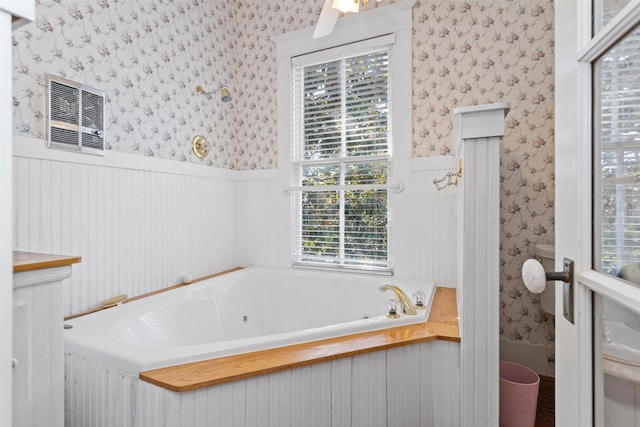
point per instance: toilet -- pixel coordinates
(546, 254)
(621, 341)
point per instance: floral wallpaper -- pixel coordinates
(148, 55)
(476, 52)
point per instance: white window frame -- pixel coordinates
(396, 20)
(379, 45)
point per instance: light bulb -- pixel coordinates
(345, 6)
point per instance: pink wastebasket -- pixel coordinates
(518, 395)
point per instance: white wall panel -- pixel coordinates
(427, 252)
(403, 382)
(137, 230)
(280, 399)
(433, 219)
(140, 227)
(341, 392)
(446, 394)
(92, 402)
(431, 386)
(419, 383)
(261, 235)
(257, 397)
(368, 391)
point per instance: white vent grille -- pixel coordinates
(75, 116)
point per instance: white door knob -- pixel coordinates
(533, 276)
(535, 279)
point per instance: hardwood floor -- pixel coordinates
(545, 415)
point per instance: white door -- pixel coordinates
(597, 192)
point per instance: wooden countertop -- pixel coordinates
(28, 261)
(442, 324)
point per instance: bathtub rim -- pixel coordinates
(442, 324)
(136, 362)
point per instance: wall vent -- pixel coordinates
(75, 116)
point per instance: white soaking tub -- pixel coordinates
(246, 310)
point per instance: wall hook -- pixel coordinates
(451, 178)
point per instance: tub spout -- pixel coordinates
(407, 305)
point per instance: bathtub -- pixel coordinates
(247, 310)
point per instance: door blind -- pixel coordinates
(618, 89)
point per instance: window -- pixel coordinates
(341, 158)
(344, 144)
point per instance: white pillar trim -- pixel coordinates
(477, 131)
(478, 121)
(9, 9)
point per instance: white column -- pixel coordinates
(477, 131)
(26, 9)
(6, 220)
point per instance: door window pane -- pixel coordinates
(617, 168)
(617, 363)
(605, 11)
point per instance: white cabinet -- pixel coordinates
(38, 346)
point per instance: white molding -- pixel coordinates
(41, 276)
(35, 148)
(609, 286)
(479, 255)
(625, 21)
(478, 121)
(574, 198)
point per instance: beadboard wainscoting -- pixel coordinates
(138, 223)
(141, 224)
(423, 242)
(433, 223)
(415, 385)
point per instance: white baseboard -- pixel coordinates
(535, 357)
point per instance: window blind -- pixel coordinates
(341, 157)
(618, 90)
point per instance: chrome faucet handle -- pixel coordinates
(407, 305)
(392, 308)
